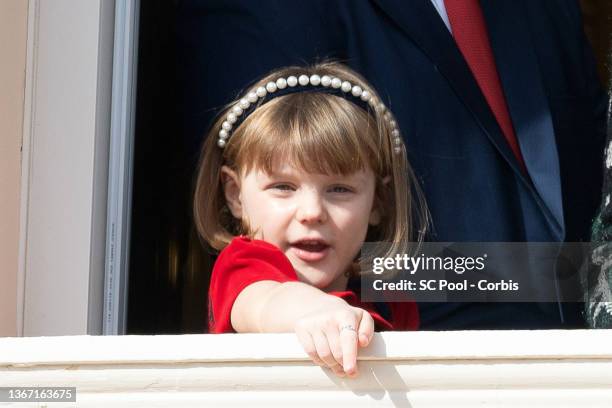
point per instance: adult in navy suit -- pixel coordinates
(475, 185)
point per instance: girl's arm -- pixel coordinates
(329, 329)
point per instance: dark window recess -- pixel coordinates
(169, 269)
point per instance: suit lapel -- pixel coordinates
(518, 69)
(421, 22)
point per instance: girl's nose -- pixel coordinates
(311, 208)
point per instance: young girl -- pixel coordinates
(294, 176)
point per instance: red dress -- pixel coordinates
(245, 261)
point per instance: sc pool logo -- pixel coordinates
(443, 284)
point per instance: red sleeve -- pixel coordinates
(405, 315)
(241, 263)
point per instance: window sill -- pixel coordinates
(417, 369)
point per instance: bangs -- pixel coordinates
(313, 132)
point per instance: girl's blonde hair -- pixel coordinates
(318, 133)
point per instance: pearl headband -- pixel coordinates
(293, 84)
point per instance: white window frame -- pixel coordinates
(77, 106)
(118, 224)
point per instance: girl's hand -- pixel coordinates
(332, 337)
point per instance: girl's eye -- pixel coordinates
(282, 187)
(340, 189)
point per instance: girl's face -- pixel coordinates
(318, 221)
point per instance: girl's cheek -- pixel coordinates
(280, 206)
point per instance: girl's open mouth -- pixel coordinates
(310, 251)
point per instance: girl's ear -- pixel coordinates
(231, 189)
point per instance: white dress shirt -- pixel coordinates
(441, 9)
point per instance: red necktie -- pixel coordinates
(470, 32)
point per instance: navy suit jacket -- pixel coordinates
(473, 184)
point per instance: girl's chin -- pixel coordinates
(320, 279)
(314, 277)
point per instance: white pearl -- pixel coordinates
(226, 125)
(346, 86)
(271, 87)
(223, 134)
(244, 104)
(281, 83)
(336, 83)
(357, 91)
(388, 116)
(237, 110)
(326, 80)
(372, 102)
(252, 97)
(381, 107)
(221, 143)
(365, 96)
(303, 80)
(261, 92)
(395, 133)
(398, 150)
(393, 123)
(292, 81)
(231, 118)
(315, 80)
